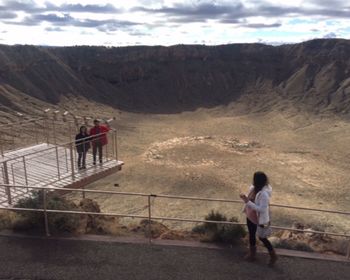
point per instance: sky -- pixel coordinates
(171, 22)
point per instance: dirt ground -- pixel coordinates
(214, 153)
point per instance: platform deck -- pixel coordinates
(48, 165)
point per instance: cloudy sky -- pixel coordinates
(170, 22)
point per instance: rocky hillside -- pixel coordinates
(313, 75)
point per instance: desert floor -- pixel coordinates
(214, 153)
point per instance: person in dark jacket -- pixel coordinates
(82, 143)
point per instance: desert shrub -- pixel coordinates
(293, 245)
(58, 222)
(231, 233)
(6, 219)
(226, 233)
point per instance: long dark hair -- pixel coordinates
(82, 128)
(260, 180)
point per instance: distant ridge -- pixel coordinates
(312, 76)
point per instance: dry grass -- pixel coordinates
(213, 153)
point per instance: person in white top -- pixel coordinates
(257, 210)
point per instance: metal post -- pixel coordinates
(66, 157)
(70, 132)
(106, 153)
(46, 220)
(149, 220)
(54, 132)
(13, 140)
(58, 164)
(36, 133)
(113, 144)
(71, 160)
(46, 127)
(115, 140)
(13, 175)
(83, 192)
(25, 172)
(1, 145)
(7, 182)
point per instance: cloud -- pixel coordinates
(235, 11)
(7, 15)
(29, 6)
(26, 6)
(37, 19)
(79, 8)
(60, 15)
(261, 25)
(138, 33)
(54, 29)
(60, 20)
(328, 3)
(195, 13)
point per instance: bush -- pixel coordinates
(6, 219)
(232, 233)
(226, 233)
(58, 222)
(293, 245)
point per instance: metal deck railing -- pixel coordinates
(49, 164)
(151, 217)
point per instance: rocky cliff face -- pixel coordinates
(313, 75)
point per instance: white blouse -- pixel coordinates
(261, 204)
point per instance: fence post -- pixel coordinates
(348, 251)
(2, 143)
(106, 151)
(46, 127)
(83, 192)
(58, 163)
(25, 171)
(71, 160)
(7, 182)
(54, 132)
(36, 133)
(115, 144)
(70, 132)
(46, 220)
(149, 220)
(13, 175)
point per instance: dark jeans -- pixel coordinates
(252, 236)
(97, 147)
(82, 159)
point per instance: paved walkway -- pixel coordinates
(32, 258)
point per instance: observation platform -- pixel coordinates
(50, 165)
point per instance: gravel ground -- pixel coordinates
(30, 258)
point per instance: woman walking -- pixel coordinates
(258, 215)
(82, 143)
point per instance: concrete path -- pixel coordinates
(32, 258)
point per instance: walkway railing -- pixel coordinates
(53, 128)
(151, 217)
(48, 165)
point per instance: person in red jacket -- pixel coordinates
(98, 135)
